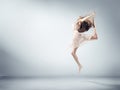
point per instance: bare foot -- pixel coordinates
(79, 67)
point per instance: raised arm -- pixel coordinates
(88, 16)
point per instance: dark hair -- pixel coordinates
(85, 26)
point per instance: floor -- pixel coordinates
(60, 83)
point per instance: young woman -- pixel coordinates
(82, 25)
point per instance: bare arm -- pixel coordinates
(88, 16)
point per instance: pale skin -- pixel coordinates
(93, 37)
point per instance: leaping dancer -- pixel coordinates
(82, 25)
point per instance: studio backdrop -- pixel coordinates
(35, 38)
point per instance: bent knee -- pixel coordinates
(94, 38)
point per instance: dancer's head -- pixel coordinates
(85, 26)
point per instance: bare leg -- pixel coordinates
(76, 58)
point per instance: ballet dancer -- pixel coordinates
(82, 25)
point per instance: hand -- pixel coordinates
(93, 13)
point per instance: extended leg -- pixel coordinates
(76, 58)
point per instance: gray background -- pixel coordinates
(35, 37)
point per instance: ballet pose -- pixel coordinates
(82, 25)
